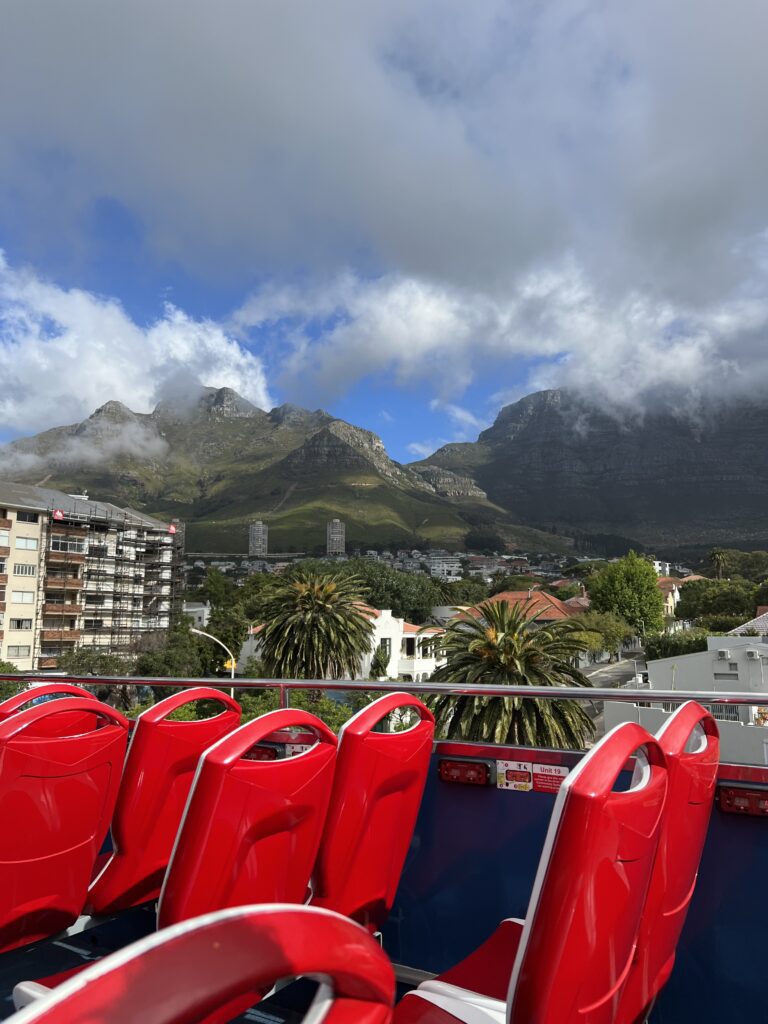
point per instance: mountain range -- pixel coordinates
(216, 461)
(552, 468)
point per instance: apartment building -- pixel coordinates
(258, 538)
(335, 537)
(75, 571)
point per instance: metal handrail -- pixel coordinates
(590, 693)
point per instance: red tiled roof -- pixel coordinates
(408, 627)
(544, 607)
(691, 578)
(578, 604)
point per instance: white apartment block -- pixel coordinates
(258, 539)
(79, 572)
(443, 566)
(336, 537)
(731, 664)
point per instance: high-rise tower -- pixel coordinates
(335, 537)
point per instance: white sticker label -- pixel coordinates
(514, 775)
(548, 778)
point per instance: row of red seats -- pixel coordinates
(195, 819)
(610, 897)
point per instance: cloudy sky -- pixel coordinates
(406, 213)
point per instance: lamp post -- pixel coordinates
(216, 640)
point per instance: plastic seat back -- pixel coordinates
(691, 744)
(584, 913)
(251, 828)
(55, 725)
(377, 792)
(161, 762)
(208, 969)
(57, 793)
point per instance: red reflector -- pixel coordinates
(735, 800)
(258, 753)
(469, 772)
(517, 776)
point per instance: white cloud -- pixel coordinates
(65, 352)
(464, 420)
(628, 350)
(421, 449)
(577, 185)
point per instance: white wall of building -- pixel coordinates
(731, 664)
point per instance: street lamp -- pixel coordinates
(216, 640)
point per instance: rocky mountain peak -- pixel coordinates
(200, 402)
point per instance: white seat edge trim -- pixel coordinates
(467, 1013)
(546, 853)
(27, 992)
(463, 995)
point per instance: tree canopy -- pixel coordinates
(734, 597)
(314, 627)
(629, 588)
(503, 647)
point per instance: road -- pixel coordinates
(617, 673)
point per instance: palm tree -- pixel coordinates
(314, 626)
(504, 647)
(718, 559)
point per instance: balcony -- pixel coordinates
(3, 578)
(70, 530)
(5, 524)
(65, 557)
(47, 662)
(60, 635)
(62, 609)
(63, 583)
(4, 552)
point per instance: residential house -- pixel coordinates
(411, 654)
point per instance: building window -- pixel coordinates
(26, 543)
(73, 544)
(733, 666)
(26, 517)
(2, 565)
(94, 623)
(20, 624)
(24, 569)
(23, 596)
(5, 538)
(19, 650)
(385, 646)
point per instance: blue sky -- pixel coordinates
(345, 206)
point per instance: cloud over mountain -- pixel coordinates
(64, 352)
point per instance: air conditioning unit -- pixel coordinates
(754, 655)
(723, 655)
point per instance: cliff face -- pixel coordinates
(552, 460)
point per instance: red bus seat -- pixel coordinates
(251, 828)
(571, 957)
(161, 762)
(57, 793)
(56, 725)
(691, 744)
(209, 969)
(377, 792)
